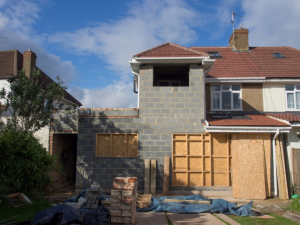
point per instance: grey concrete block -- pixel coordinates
(143, 137)
(150, 120)
(149, 143)
(155, 110)
(170, 94)
(156, 115)
(154, 137)
(147, 83)
(156, 100)
(174, 99)
(127, 120)
(190, 105)
(150, 105)
(159, 105)
(165, 99)
(161, 120)
(181, 120)
(184, 89)
(161, 143)
(194, 120)
(170, 120)
(154, 148)
(180, 105)
(179, 95)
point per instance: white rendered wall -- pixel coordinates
(4, 84)
(274, 97)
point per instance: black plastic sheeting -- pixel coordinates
(64, 214)
(216, 206)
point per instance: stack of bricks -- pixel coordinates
(123, 200)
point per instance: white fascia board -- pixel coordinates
(283, 80)
(236, 80)
(245, 129)
(295, 124)
(157, 60)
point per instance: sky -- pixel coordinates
(89, 43)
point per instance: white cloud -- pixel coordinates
(16, 20)
(116, 95)
(272, 23)
(147, 24)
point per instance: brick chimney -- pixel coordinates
(29, 59)
(239, 40)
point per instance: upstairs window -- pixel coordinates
(278, 55)
(226, 97)
(215, 54)
(292, 93)
(175, 76)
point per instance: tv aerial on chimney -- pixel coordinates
(232, 21)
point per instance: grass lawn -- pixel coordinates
(279, 220)
(24, 212)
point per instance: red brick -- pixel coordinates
(115, 212)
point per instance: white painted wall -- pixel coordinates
(274, 97)
(4, 84)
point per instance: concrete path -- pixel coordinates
(227, 219)
(292, 216)
(193, 219)
(150, 218)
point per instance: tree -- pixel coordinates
(31, 102)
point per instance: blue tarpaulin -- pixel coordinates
(216, 206)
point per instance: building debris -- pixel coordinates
(18, 199)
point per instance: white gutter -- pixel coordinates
(245, 129)
(274, 161)
(283, 80)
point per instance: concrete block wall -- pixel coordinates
(65, 121)
(167, 110)
(104, 169)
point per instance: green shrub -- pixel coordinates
(25, 165)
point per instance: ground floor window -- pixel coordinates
(117, 145)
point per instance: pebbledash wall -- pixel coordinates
(162, 112)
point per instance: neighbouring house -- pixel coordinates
(227, 117)
(61, 139)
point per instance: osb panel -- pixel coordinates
(179, 136)
(179, 148)
(206, 148)
(206, 137)
(195, 137)
(180, 163)
(252, 97)
(195, 164)
(219, 145)
(118, 145)
(195, 147)
(207, 179)
(103, 145)
(267, 147)
(219, 164)
(220, 179)
(132, 145)
(179, 179)
(234, 146)
(195, 179)
(207, 164)
(252, 170)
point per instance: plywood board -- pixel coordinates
(267, 147)
(194, 137)
(179, 163)
(153, 177)
(251, 168)
(207, 179)
(206, 148)
(219, 145)
(220, 174)
(207, 163)
(234, 146)
(132, 144)
(219, 179)
(179, 179)
(195, 163)
(195, 148)
(296, 168)
(103, 145)
(166, 175)
(195, 179)
(118, 145)
(179, 136)
(179, 148)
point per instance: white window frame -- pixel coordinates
(231, 97)
(295, 99)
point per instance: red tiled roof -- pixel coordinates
(258, 62)
(284, 116)
(256, 120)
(170, 50)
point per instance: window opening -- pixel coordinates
(226, 97)
(278, 55)
(215, 54)
(171, 76)
(292, 93)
